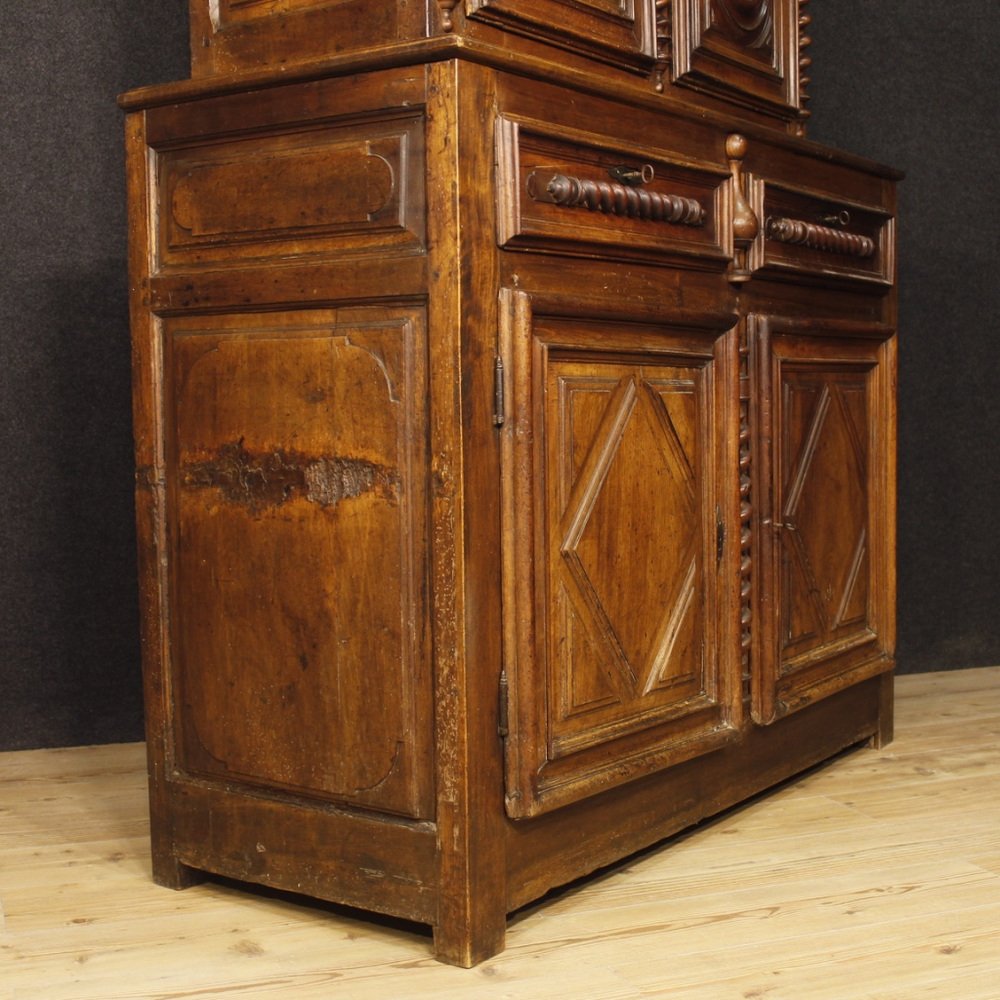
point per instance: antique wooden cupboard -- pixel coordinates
(515, 440)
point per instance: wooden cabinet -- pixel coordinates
(514, 407)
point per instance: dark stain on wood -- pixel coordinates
(258, 481)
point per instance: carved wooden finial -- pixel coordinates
(745, 223)
(447, 6)
(736, 147)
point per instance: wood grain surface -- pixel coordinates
(878, 877)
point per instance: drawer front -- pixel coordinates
(352, 188)
(806, 233)
(610, 28)
(566, 191)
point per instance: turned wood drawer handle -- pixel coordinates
(800, 233)
(614, 199)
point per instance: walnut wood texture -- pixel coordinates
(488, 534)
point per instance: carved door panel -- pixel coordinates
(622, 28)
(747, 50)
(297, 461)
(619, 493)
(824, 457)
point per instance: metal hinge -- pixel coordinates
(499, 393)
(503, 724)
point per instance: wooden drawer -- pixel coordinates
(351, 188)
(566, 191)
(808, 233)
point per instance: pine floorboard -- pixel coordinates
(875, 877)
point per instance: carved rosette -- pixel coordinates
(745, 223)
(663, 43)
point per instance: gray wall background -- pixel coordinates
(908, 82)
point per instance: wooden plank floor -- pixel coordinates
(877, 876)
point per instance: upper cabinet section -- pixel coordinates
(747, 51)
(231, 36)
(716, 53)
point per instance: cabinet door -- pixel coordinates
(620, 491)
(824, 487)
(622, 28)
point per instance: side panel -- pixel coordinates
(619, 494)
(297, 468)
(825, 534)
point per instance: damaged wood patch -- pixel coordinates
(269, 479)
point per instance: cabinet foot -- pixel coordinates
(468, 946)
(171, 874)
(883, 735)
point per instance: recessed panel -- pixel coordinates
(297, 460)
(230, 36)
(353, 189)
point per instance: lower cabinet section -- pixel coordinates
(493, 524)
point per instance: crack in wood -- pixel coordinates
(270, 479)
